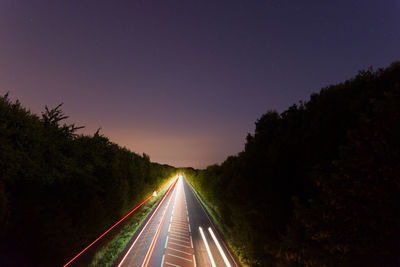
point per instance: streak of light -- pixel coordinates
(154, 241)
(140, 233)
(219, 247)
(80, 253)
(108, 231)
(207, 247)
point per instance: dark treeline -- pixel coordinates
(60, 190)
(318, 184)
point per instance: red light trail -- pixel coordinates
(159, 204)
(153, 242)
(80, 253)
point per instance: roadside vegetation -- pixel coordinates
(59, 190)
(318, 184)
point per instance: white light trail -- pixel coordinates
(207, 247)
(219, 247)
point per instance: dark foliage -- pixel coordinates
(319, 184)
(60, 190)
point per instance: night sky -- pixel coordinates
(184, 81)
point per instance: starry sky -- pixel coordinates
(185, 80)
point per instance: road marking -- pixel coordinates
(219, 247)
(190, 231)
(180, 240)
(166, 242)
(181, 227)
(176, 256)
(145, 226)
(172, 264)
(181, 251)
(80, 253)
(179, 220)
(154, 240)
(178, 244)
(180, 236)
(179, 223)
(178, 231)
(207, 247)
(162, 260)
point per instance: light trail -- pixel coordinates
(154, 241)
(211, 222)
(123, 218)
(207, 247)
(68, 263)
(155, 211)
(219, 247)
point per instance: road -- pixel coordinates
(178, 233)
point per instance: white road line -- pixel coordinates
(182, 237)
(191, 240)
(219, 247)
(180, 220)
(179, 235)
(179, 217)
(166, 242)
(178, 231)
(172, 264)
(181, 251)
(207, 247)
(179, 240)
(180, 223)
(179, 257)
(162, 260)
(178, 244)
(180, 226)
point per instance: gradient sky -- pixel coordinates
(185, 80)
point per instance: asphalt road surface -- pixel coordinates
(178, 233)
